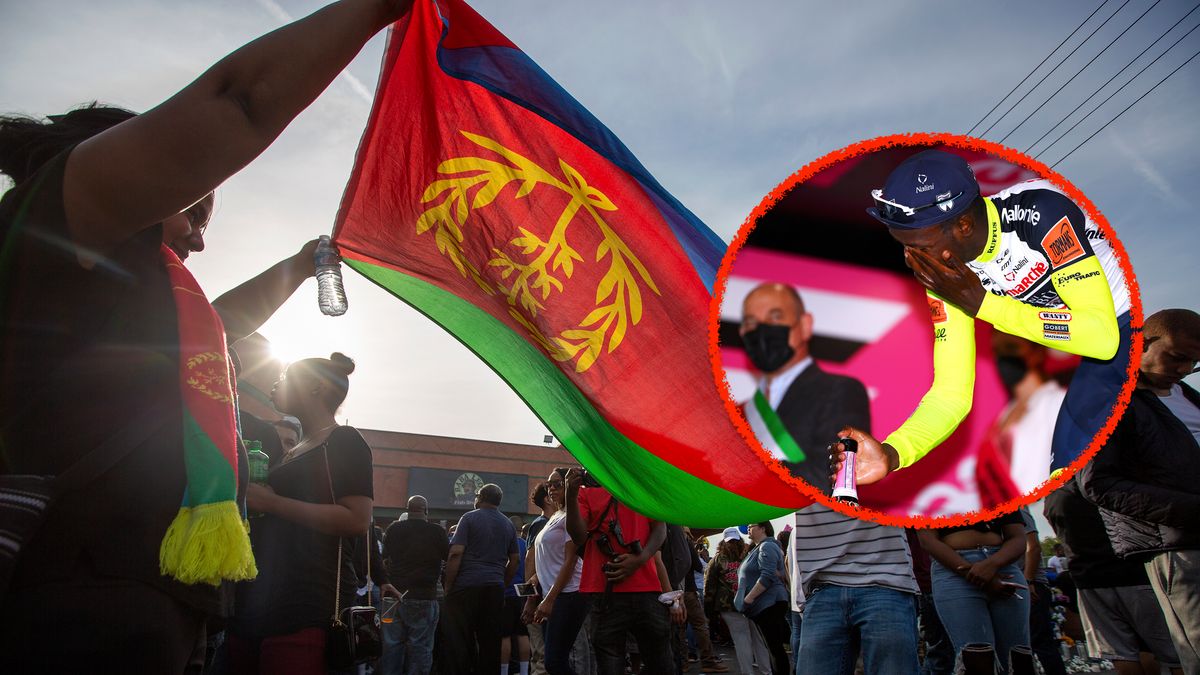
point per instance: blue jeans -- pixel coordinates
(939, 654)
(794, 620)
(971, 616)
(840, 619)
(561, 629)
(408, 639)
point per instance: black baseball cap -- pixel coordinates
(928, 188)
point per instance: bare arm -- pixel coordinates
(453, 561)
(576, 527)
(347, 518)
(510, 570)
(246, 308)
(941, 552)
(1033, 555)
(156, 165)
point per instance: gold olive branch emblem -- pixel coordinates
(531, 270)
(208, 373)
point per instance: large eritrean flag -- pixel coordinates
(486, 197)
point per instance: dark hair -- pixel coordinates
(538, 496)
(734, 548)
(335, 370)
(492, 494)
(1176, 323)
(26, 143)
(767, 527)
(783, 538)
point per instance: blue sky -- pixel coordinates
(721, 101)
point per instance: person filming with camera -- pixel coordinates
(621, 572)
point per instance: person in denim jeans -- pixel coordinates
(859, 595)
(413, 550)
(979, 589)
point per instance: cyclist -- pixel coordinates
(1027, 260)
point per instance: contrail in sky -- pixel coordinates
(275, 10)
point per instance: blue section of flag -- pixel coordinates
(511, 74)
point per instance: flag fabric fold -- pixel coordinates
(490, 200)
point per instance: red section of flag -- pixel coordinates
(469, 191)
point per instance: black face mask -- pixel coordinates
(1012, 369)
(767, 346)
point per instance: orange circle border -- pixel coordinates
(922, 140)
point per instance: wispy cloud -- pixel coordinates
(356, 85)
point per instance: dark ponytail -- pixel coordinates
(27, 143)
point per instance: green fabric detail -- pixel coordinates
(637, 477)
(210, 478)
(787, 444)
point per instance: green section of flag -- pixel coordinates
(779, 433)
(210, 476)
(637, 477)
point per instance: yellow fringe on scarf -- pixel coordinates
(209, 543)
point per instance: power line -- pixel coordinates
(1077, 73)
(1035, 68)
(1085, 41)
(1119, 90)
(1118, 74)
(1114, 119)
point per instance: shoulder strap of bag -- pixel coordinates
(118, 446)
(337, 587)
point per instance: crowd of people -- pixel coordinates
(117, 372)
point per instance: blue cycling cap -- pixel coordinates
(928, 188)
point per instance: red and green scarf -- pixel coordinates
(209, 539)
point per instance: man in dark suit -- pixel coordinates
(812, 404)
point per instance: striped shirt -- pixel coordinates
(830, 548)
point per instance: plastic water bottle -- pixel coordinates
(259, 465)
(330, 293)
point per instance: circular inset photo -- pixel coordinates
(957, 312)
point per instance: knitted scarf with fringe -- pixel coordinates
(208, 541)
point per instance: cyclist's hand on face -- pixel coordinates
(948, 277)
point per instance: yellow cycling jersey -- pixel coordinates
(1051, 277)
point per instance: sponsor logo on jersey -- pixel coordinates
(1046, 297)
(1077, 276)
(1030, 279)
(1054, 316)
(1018, 212)
(937, 310)
(1011, 275)
(1061, 245)
(1057, 336)
(1056, 327)
(940, 334)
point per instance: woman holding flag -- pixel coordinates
(111, 351)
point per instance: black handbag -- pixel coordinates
(354, 634)
(26, 500)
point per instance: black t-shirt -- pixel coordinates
(80, 352)
(414, 551)
(297, 566)
(995, 525)
(1078, 524)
